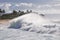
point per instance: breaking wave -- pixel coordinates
(34, 23)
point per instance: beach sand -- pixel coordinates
(4, 21)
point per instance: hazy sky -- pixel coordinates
(43, 6)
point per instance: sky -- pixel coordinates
(41, 6)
